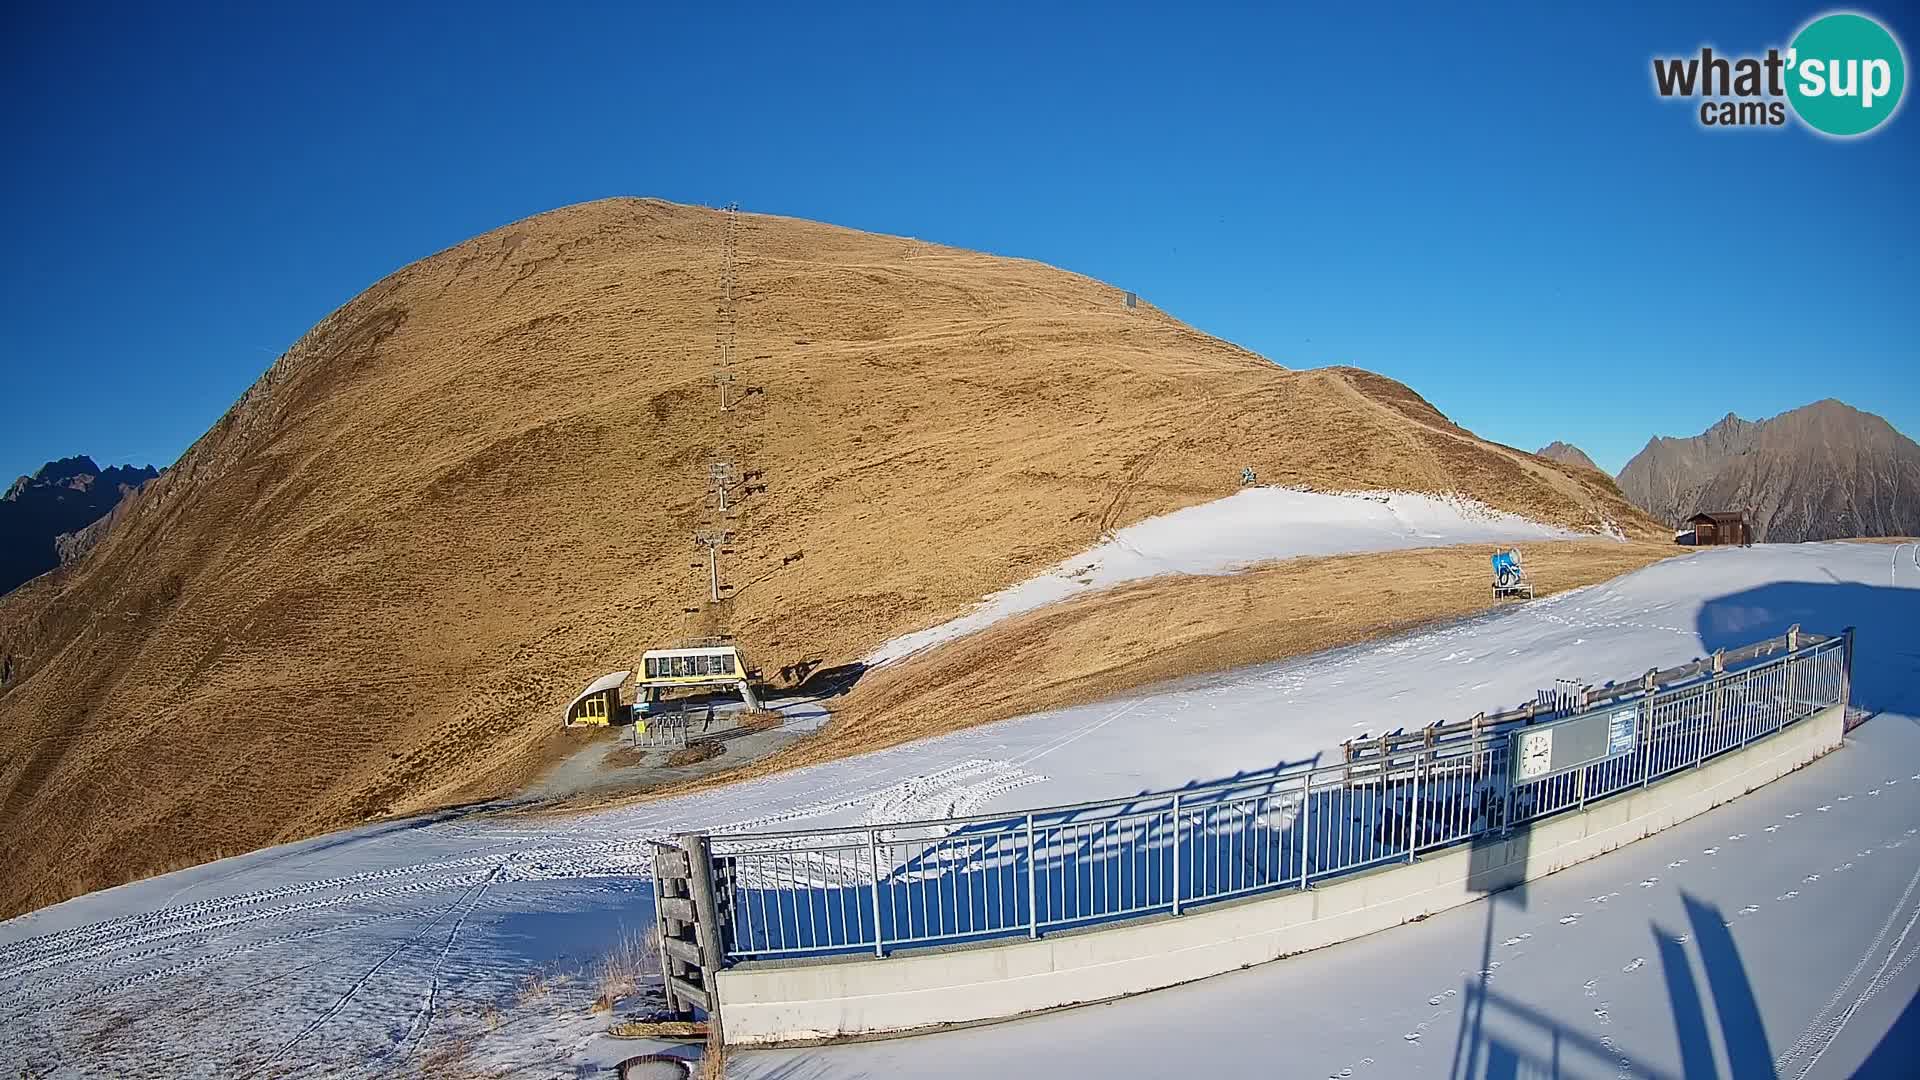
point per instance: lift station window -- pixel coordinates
(698, 664)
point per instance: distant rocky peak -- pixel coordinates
(1567, 454)
(64, 496)
(1731, 434)
(65, 470)
(1818, 472)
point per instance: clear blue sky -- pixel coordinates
(1493, 208)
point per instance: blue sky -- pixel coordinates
(1493, 208)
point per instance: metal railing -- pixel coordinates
(875, 888)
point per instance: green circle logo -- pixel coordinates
(1845, 74)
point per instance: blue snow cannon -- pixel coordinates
(1509, 578)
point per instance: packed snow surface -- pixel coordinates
(1251, 526)
(399, 947)
(1773, 937)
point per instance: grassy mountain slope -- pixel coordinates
(369, 588)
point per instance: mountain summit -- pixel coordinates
(1567, 454)
(1819, 472)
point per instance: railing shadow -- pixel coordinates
(1888, 660)
(1517, 1041)
(1715, 1016)
(1496, 869)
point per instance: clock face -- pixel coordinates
(1536, 753)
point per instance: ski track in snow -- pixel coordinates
(375, 960)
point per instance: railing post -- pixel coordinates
(1793, 699)
(1507, 797)
(1506, 817)
(1584, 769)
(1177, 829)
(1413, 814)
(1645, 750)
(1305, 822)
(1033, 891)
(1846, 673)
(873, 857)
(1746, 711)
(1649, 684)
(1710, 720)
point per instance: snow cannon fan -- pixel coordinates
(1509, 576)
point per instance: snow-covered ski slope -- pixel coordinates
(1251, 526)
(1774, 937)
(370, 951)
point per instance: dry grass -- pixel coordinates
(761, 720)
(369, 588)
(453, 1060)
(658, 1029)
(536, 988)
(695, 753)
(633, 962)
(628, 755)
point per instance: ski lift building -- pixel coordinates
(717, 666)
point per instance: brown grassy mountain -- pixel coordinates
(368, 588)
(1819, 472)
(1567, 454)
(63, 497)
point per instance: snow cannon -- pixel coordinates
(1509, 576)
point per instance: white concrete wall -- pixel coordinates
(773, 1002)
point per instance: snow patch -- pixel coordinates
(1231, 534)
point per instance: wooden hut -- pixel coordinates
(1721, 528)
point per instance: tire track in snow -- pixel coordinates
(119, 954)
(1823, 1028)
(341, 1002)
(423, 1020)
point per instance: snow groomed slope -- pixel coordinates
(378, 948)
(1774, 937)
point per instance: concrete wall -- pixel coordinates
(796, 1001)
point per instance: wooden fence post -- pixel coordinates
(707, 927)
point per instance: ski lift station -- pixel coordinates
(704, 665)
(662, 671)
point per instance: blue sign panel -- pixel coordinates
(1623, 731)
